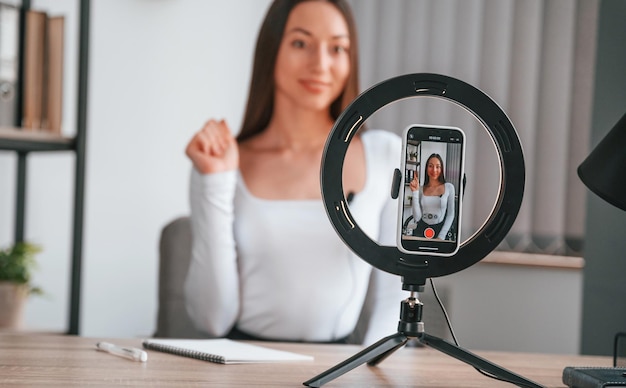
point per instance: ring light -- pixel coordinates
(415, 269)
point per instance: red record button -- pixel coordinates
(429, 233)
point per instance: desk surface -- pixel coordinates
(36, 360)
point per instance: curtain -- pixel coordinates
(535, 58)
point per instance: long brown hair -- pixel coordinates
(260, 105)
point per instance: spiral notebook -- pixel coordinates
(222, 350)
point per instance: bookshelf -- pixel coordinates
(22, 142)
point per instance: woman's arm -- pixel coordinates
(450, 214)
(416, 206)
(385, 290)
(212, 283)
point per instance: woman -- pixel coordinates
(434, 207)
(266, 262)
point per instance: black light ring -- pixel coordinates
(415, 269)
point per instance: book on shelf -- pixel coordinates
(9, 61)
(222, 351)
(53, 97)
(43, 72)
(34, 48)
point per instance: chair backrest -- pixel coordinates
(174, 257)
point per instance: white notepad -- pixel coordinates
(222, 350)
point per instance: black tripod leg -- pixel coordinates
(476, 361)
(378, 359)
(383, 347)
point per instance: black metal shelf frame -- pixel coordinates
(23, 146)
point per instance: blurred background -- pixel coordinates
(160, 68)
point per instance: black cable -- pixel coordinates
(445, 313)
(456, 342)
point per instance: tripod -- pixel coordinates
(411, 326)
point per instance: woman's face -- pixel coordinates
(313, 62)
(433, 169)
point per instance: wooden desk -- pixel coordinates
(38, 360)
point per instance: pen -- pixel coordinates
(130, 353)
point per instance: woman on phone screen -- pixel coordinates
(433, 204)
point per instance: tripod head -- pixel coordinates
(410, 323)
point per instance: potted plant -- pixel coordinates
(16, 266)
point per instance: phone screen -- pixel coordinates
(429, 213)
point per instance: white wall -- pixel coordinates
(158, 70)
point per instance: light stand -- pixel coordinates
(415, 269)
(411, 326)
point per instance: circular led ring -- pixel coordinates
(415, 269)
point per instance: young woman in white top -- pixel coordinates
(266, 261)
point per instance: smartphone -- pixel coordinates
(430, 200)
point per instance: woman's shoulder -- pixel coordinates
(449, 187)
(382, 141)
(380, 134)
